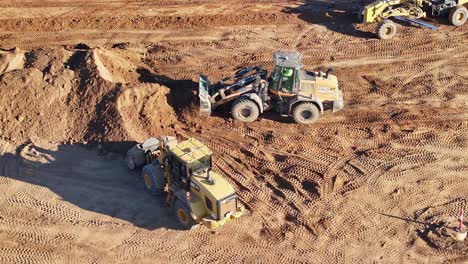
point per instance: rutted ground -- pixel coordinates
(375, 182)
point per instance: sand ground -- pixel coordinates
(378, 182)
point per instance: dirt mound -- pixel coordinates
(33, 102)
(13, 60)
(118, 65)
(145, 111)
(75, 94)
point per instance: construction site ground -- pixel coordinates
(81, 81)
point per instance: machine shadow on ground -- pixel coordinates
(92, 178)
(183, 93)
(224, 112)
(334, 15)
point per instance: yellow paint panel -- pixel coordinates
(307, 88)
(198, 208)
(221, 189)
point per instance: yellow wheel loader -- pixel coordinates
(290, 90)
(381, 11)
(183, 171)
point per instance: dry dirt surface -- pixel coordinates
(81, 81)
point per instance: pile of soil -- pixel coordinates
(75, 95)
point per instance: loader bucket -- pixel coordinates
(339, 103)
(204, 94)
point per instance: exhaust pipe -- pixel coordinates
(329, 71)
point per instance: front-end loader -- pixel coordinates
(382, 11)
(290, 90)
(183, 170)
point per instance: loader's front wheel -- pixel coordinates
(306, 113)
(458, 15)
(245, 110)
(183, 215)
(386, 29)
(154, 178)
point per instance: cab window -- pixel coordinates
(202, 163)
(287, 82)
(275, 79)
(176, 168)
(185, 173)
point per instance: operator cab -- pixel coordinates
(189, 157)
(285, 78)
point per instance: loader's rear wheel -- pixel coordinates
(183, 215)
(245, 110)
(458, 15)
(154, 178)
(306, 113)
(386, 29)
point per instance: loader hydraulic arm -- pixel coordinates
(243, 81)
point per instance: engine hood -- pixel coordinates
(218, 187)
(318, 75)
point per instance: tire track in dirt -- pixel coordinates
(139, 3)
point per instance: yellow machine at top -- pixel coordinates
(381, 11)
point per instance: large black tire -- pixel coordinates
(245, 110)
(183, 215)
(458, 15)
(386, 29)
(306, 113)
(154, 178)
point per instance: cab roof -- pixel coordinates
(288, 59)
(190, 150)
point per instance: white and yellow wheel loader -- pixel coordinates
(290, 90)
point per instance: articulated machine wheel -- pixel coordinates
(154, 178)
(183, 215)
(245, 110)
(306, 113)
(386, 29)
(458, 15)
